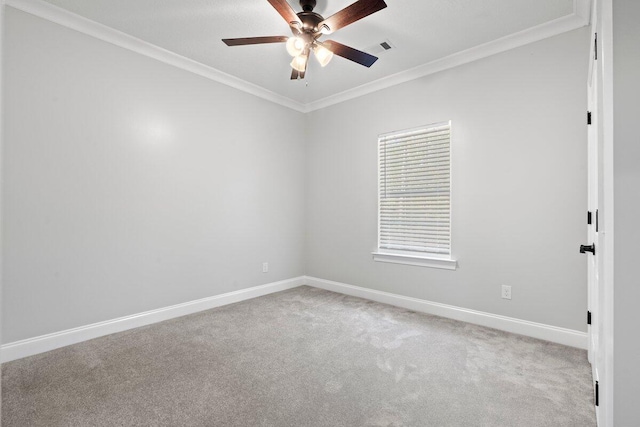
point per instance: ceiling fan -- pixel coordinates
(307, 27)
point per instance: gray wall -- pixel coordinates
(130, 185)
(519, 183)
(626, 145)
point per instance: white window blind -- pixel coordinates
(415, 190)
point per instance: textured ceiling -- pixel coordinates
(421, 31)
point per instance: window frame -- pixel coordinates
(423, 259)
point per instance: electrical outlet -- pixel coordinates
(265, 267)
(506, 292)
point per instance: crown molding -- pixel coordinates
(579, 18)
(102, 32)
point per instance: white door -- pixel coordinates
(593, 212)
(594, 246)
(600, 192)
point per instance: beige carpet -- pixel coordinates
(304, 357)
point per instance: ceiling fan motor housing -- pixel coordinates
(310, 21)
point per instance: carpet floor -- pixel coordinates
(303, 357)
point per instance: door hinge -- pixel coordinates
(588, 117)
(597, 221)
(588, 217)
(588, 317)
(597, 396)
(595, 47)
(588, 248)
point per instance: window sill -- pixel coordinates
(418, 260)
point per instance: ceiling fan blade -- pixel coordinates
(351, 14)
(306, 63)
(350, 53)
(255, 40)
(285, 10)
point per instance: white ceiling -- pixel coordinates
(421, 31)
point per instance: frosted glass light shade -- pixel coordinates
(299, 63)
(295, 46)
(323, 55)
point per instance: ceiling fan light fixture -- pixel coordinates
(308, 26)
(323, 55)
(295, 46)
(299, 63)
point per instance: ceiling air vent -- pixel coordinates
(381, 47)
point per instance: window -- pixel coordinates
(414, 205)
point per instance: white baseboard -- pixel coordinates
(41, 344)
(541, 331)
